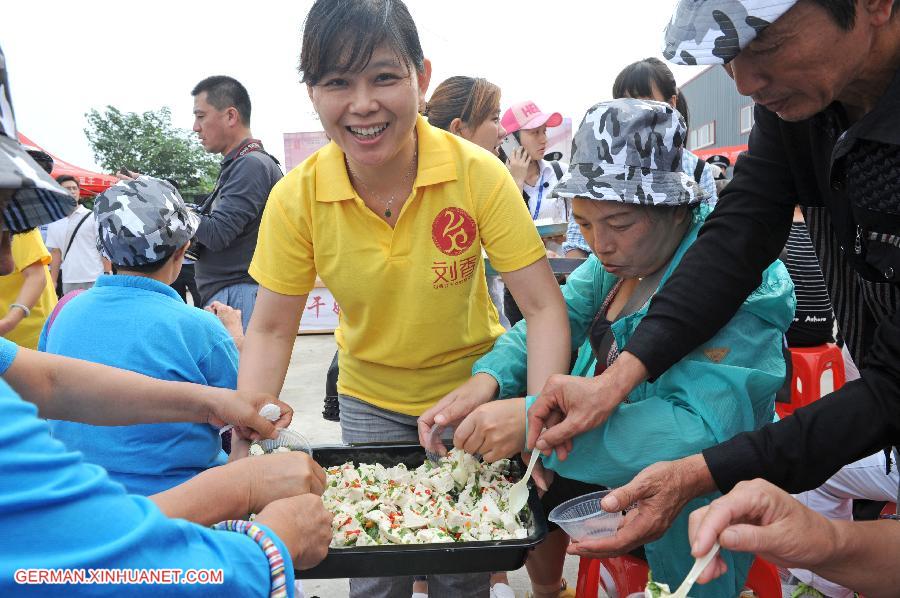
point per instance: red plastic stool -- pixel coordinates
(623, 575)
(626, 575)
(809, 363)
(763, 579)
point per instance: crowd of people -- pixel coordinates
(652, 369)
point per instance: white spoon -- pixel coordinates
(518, 494)
(699, 565)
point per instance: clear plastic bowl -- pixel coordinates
(582, 517)
(289, 439)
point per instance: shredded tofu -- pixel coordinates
(458, 500)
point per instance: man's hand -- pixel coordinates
(571, 405)
(660, 491)
(760, 518)
(241, 409)
(454, 407)
(282, 475)
(303, 524)
(496, 430)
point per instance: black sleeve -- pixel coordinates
(741, 238)
(241, 200)
(805, 449)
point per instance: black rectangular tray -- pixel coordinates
(419, 559)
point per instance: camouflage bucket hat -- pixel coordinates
(630, 151)
(142, 221)
(715, 31)
(37, 199)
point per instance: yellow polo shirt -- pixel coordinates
(27, 248)
(415, 310)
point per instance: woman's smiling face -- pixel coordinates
(371, 114)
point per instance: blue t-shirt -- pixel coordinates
(57, 511)
(139, 324)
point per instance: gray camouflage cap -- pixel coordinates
(142, 221)
(630, 151)
(715, 31)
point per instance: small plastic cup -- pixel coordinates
(289, 439)
(583, 518)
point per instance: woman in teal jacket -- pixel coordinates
(640, 216)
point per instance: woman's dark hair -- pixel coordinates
(682, 106)
(341, 36)
(638, 78)
(471, 100)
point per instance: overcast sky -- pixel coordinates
(66, 57)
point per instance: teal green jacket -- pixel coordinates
(723, 387)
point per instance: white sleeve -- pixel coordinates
(56, 234)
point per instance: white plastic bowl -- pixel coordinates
(583, 518)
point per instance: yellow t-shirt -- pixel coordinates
(27, 248)
(415, 310)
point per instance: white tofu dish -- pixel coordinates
(459, 499)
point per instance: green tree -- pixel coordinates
(148, 143)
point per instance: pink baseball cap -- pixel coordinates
(526, 115)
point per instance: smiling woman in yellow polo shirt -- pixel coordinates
(393, 215)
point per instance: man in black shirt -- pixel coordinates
(825, 75)
(230, 216)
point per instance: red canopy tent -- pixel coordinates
(91, 183)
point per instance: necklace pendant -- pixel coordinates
(387, 213)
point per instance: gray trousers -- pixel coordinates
(361, 422)
(75, 286)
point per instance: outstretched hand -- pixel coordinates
(659, 493)
(760, 518)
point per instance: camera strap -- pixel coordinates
(247, 147)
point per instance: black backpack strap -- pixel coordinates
(557, 169)
(698, 170)
(62, 258)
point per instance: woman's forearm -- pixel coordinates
(35, 282)
(191, 500)
(548, 336)
(549, 345)
(269, 342)
(76, 390)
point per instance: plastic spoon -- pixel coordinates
(434, 436)
(518, 494)
(699, 565)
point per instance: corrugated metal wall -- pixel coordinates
(712, 96)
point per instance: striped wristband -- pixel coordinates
(24, 308)
(276, 560)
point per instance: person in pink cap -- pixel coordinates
(535, 177)
(528, 125)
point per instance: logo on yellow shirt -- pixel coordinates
(453, 231)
